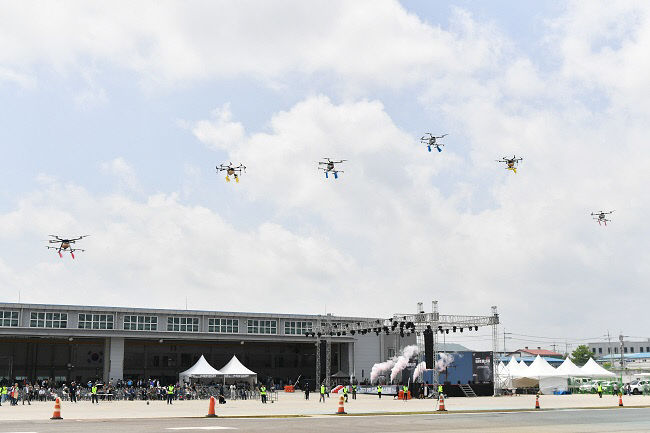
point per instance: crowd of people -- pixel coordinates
(96, 391)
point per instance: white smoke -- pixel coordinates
(418, 370)
(444, 361)
(402, 360)
(380, 368)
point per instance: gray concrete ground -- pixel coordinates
(295, 404)
(556, 421)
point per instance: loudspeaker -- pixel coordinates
(428, 348)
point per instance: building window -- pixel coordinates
(183, 324)
(600, 350)
(593, 349)
(95, 321)
(609, 350)
(297, 328)
(641, 349)
(631, 349)
(48, 320)
(140, 323)
(262, 326)
(8, 318)
(625, 349)
(616, 350)
(230, 326)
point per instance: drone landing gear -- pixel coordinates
(336, 176)
(429, 147)
(60, 255)
(326, 176)
(514, 170)
(236, 179)
(227, 179)
(72, 254)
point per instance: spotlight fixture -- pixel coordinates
(461, 329)
(476, 328)
(454, 329)
(447, 331)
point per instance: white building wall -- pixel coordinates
(116, 359)
(367, 352)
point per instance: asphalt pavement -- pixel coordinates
(557, 421)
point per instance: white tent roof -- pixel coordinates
(234, 368)
(538, 369)
(569, 369)
(592, 369)
(202, 368)
(512, 364)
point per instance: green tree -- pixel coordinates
(581, 355)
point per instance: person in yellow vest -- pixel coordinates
(322, 394)
(345, 393)
(3, 395)
(170, 394)
(600, 390)
(93, 394)
(405, 390)
(354, 392)
(263, 393)
(379, 391)
(440, 390)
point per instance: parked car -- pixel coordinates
(638, 386)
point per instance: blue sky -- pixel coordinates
(113, 119)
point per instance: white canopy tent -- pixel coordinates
(526, 376)
(201, 369)
(569, 369)
(236, 370)
(592, 369)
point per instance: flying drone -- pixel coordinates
(601, 216)
(330, 167)
(432, 141)
(511, 163)
(232, 171)
(64, 244)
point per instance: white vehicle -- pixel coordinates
(637, 386)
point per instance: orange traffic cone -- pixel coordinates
(441, 404)
(211, 407)
(341, 410)
(57, 409)
(537, 402)
(620, 399)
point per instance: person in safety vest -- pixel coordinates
(263, 393)
(93, 394)
(405, 390)
(379, 391)
(440, 390)
(345, 393)
(3, 394)
(170, 394)
(354, 392)
(600, 390)
(322, 394)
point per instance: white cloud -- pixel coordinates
(124, 173)
(363, 42)
(220, 132)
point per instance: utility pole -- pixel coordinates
(620, 338)
(504, 342)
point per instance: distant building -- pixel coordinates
(525, 352)
(613, 347)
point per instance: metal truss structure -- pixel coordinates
(405, 325)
